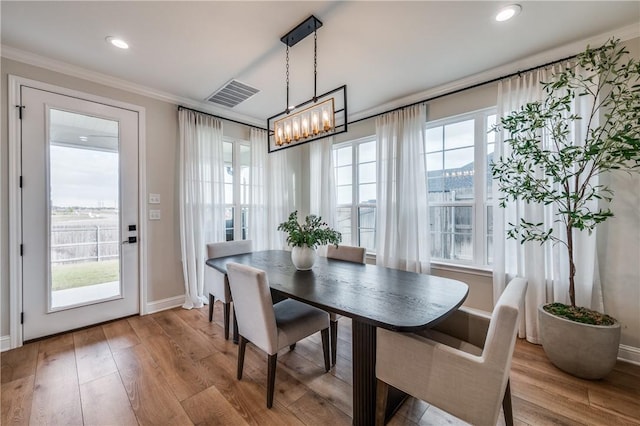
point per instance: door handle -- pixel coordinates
(130, 240)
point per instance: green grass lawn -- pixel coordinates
(84, 274)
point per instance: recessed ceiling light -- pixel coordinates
(508, 12)
(83, 138)
(117, 42)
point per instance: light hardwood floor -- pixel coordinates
(175, 368)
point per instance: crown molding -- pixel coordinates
(117, 83)
(625, 33)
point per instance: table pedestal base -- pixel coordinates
(364, 377)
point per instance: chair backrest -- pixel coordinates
(253, 306)
(480, 401)
(348, 253)
(216, 282)
(229, 248)
(501, 336)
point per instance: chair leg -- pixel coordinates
(271, 378)
(236, 333)
(292, 347)
(241, 348)
(382, 390)
(227, 309)
(211, 300)
(506, 405)
(334, 341)
(325, 348)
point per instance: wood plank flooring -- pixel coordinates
(175, 368)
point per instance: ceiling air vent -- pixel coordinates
(232, 93)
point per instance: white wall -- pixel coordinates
(619, 249)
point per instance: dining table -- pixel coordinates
(372, 296)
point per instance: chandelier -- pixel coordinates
(321, 116)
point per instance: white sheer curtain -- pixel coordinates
(322, 188)
(201, 197)
(272, 192)
(546, 265)
(402, 239)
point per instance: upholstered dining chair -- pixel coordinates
(271, 327)
(349, 254)
(216, 283)
(460, 366)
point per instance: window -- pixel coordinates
(237, 157)
(355, 172)
(459, 151)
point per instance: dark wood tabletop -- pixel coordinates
(383, 297)
(372, 296)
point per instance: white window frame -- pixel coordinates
(355, 204)
(479, 216)
(237, 205)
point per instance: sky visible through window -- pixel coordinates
(83, 177)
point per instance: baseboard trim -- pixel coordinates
(629, 354)
(164, 304)
(5, 343)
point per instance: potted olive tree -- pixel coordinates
(306, 238)
(578, 340)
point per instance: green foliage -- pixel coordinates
(312, 233)
(560, 172)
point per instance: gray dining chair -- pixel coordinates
(349, 254)
(460, 366)
(271, 327)
(217, 284)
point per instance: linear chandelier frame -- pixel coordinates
(319, 117)
(339, 119)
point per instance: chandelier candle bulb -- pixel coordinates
(287, 132)
(326, 122)
(315, 122)
(279, 135)
(305, 126)
(296, 128)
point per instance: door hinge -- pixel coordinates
(21, 249)
(21, 317)
(20, 182)
(20, 108)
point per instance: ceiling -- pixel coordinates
(385, 52)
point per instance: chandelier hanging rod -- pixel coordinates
(300, 32)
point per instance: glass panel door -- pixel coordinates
(84, 212)
(79, 212)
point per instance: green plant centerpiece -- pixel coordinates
(305, 238)
(560, 173)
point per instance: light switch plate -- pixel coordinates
(154, 214)
(154, 198)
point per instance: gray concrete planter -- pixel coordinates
(583, 350)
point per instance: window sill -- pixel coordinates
(466, 269)
(451, 267)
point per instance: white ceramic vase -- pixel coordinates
(303, 257)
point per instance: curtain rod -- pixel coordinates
(453, 92)
(473, 86)
(221, 118)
